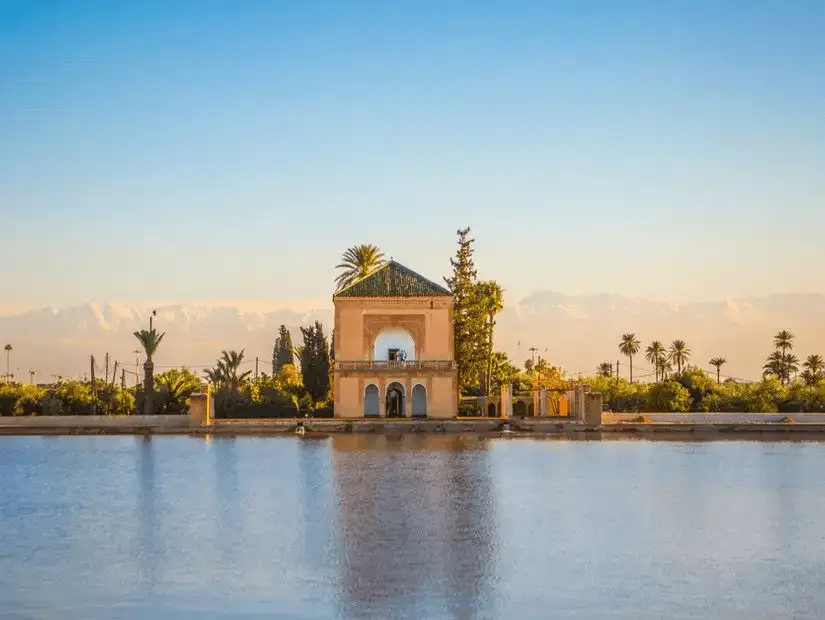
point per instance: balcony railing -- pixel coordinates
(400, 365)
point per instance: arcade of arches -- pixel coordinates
(396, 404)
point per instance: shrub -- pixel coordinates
(668, 396)
(468, 410)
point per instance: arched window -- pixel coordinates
(419, 401)
(371, 401)
(394, 344)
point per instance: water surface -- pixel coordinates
(419, 527)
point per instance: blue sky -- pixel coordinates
(203, 150)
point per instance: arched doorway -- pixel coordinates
(419, 401)
(492, 411)
(395, 400)
(519, 409)
(371, 401)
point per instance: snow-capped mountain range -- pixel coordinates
(576, 332)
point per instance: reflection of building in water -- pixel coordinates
(419, 532)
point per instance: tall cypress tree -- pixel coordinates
(332, 365)
(315, 362)
(468, 314)
(282, 353)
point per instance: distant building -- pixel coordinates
(394, 347)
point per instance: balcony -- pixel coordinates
(396, 365)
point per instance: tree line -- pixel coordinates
(679, 386)
(780, 363)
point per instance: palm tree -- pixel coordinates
(679, 354)
(718, 362)
(231, 361)
(179, 386)
(814, 370)
(216, 375)
(629, 346)
(149, 340)
(791, 366)
(8, 362)
(783, 341)
(775, 365)
(358, 262)
(653, 354)
(492, 300)
(665, 365)
(606, 369)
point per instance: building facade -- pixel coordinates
(394, 347)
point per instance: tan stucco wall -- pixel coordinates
(348, 402)
(350, 388)
(357, 323)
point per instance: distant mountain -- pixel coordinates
(577, 332)
(583, 331)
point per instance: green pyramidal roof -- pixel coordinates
(393, 280)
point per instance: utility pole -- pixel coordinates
(114, 373)
(137, 368)
(94, 387)
(122, 387)
(106, 378)
(256, 368)
(617, 371)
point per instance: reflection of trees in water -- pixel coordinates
(315, 502)
(227, 505)
(415, 525)
(147, 551)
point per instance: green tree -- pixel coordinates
(150, 341)
(814, 371)
(225, 373)
(176, 386)
(282, 352)
(718, 362)
(679, 354)
(668, 396)
(790, 363)
(783, 342)
(665, 366)
(230, 362)
(331, 378)
(358, 262)
(315, 362)
(491, 298)
(606, 369)
(775, 366)
(469, 316)
(502, 371)
(699, 385)
(629, 346)
(654, 354)
(215, 376)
